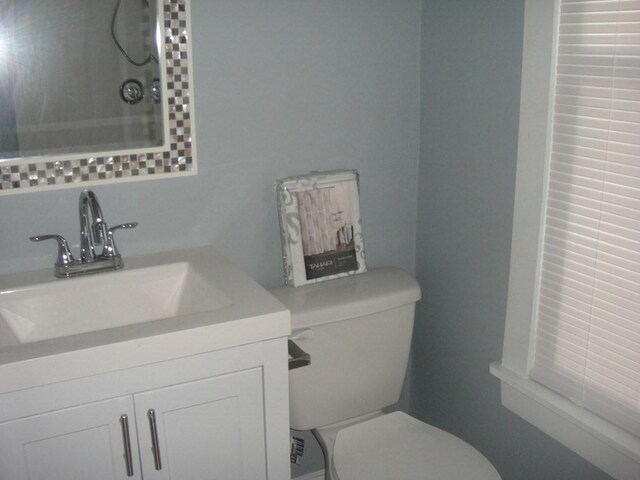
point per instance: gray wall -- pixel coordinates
(470, 92)
(282, 87)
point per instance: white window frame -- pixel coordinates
(605, 445)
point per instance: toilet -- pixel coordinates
(357, 331)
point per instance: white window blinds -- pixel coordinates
(588, 312)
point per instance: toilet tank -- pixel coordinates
(357, 330)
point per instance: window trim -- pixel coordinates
(610, 448)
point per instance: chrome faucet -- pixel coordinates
(94, 232)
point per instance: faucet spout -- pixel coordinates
(92, 232)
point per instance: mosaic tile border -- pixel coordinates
(179, 158)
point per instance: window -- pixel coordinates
(571, 359)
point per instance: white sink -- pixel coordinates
(85, 304)
(161, 306)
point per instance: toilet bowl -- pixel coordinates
(399, 447)
(357, 331)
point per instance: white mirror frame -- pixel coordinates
(176, 157)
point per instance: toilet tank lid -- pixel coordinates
(348, 297)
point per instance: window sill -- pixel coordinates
(608, 447)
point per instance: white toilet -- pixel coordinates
(357, 331)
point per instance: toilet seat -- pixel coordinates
(397, 446)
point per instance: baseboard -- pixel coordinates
(319, 475)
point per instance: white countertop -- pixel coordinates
(252, 315)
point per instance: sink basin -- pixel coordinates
(62, 308)
(161, 306)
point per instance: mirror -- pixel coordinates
(93, 90)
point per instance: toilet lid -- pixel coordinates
(397, 446)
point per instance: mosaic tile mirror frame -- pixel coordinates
(175, 158)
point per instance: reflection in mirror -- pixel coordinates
(77, 76)
(105, 80)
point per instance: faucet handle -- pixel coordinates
(110, 249)
(64, 253)
(122, 226)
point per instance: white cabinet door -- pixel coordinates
(204, 430)
(79, 443)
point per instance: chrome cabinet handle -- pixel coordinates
(124, 422)
(155, 445)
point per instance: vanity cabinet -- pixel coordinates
(77, 443)
(220, 415)
(212, 428)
